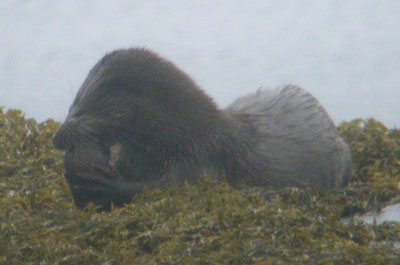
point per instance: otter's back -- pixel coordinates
(298, 139)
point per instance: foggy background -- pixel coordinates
(346, 53)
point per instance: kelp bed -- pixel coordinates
(206, 223)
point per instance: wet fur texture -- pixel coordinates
(170, 132)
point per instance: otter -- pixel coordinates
(170, 132)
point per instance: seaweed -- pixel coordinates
(206, 223)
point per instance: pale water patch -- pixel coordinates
(390, 213)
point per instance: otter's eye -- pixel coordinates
(70, 148)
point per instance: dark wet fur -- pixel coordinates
(170, 132)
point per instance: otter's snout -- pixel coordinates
(62, 138)
(57, 140)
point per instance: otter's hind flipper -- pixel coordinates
(298, 140)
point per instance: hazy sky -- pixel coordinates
(346, 53)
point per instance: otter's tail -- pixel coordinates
(298, 140)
